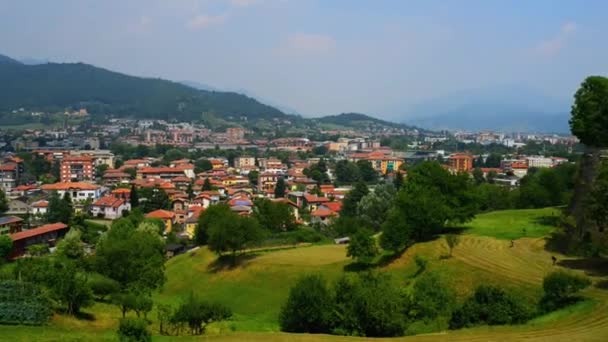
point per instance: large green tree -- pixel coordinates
(59, 210)
(430, 199)
(233, 233)
(308, 308)
(3, 202)
(362, 246)
(212, 214)
(6, 246)
(351, 200)
(589, 121)
(280, 188)
(374, 206)
(134, 258)
(274, 216)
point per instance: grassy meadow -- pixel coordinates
(256, 289)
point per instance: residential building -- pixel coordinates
(109, 207)
(460, 162)
(166, 172)
(267, 181)
(78, 191)
(100, 157)
(77, 169)
(235, 134)
(16, 207)
(244, 162)
(539, 162)
(39, 208)
(382, 161)
(9, 174)
(168, 218)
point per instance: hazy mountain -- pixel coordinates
(7, 60)
(33, 61)
(56, 87)
(357, 120)
(203, 86)
(509, 108)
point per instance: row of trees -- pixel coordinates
(224, 231)
(370, 304)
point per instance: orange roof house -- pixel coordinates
(168, 218)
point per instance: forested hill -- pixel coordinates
(57, 87)
(357, 120)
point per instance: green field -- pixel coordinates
(514, 224)
(256, 289)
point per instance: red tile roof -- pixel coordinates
(47, 228)
(109, 201)
(8, 167)
(333, 206)
(69, 186)
(322, 213)
(24, 188)
(161, 214)
(315, 199)
(121, 191)
(40, 204)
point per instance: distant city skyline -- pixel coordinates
(324, 57)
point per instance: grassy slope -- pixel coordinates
(510, 224)
(256, 290)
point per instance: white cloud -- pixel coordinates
(557, 43)
(203, 21)
(309, 43)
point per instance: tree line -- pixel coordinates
(371, 304)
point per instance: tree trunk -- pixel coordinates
(586, 175)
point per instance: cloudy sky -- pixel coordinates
(324, 56)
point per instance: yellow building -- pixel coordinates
(168, 218)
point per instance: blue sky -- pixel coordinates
(322, 56)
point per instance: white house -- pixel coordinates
(109, 207)
(78, 191)
(39, 207)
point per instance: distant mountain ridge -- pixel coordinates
(56, 87)
(7, 60)
(505, 108)
(59, 86)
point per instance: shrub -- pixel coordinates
(561, 289)
(23, 303)
(197, 314)
(369, 305)
(362, 246)
(102, 286)
(493, 306)
(432, 298)
(133, 330)
(308, 308)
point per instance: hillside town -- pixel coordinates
(103, 169)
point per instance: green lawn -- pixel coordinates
(254, 290)
(514, 224)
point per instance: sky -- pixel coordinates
(321, 57)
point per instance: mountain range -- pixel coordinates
(60, 86)
(55, 87)
(512, 108)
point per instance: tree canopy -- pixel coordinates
(589, 121)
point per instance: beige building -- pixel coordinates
(244, 162)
